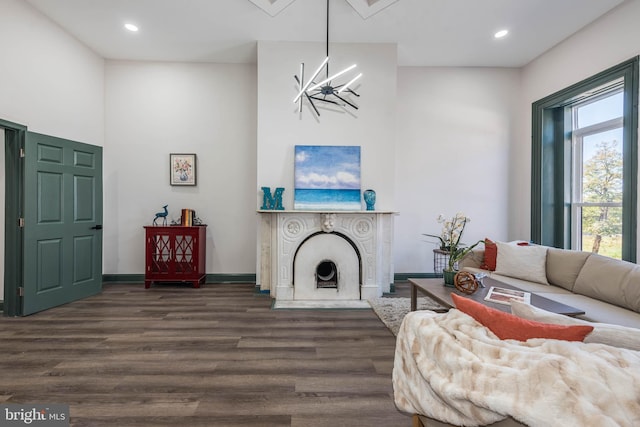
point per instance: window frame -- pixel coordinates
(551, 216)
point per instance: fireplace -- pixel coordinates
(325, 256)
(327, 275)
(327, 266)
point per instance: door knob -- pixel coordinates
(97, 227)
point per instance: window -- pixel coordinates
(584, 165)
(596, 176)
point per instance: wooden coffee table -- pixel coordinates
(435, 289)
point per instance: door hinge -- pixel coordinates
(22, 153)
(20, 291)
(21, 222)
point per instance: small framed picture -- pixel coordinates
(183, 169)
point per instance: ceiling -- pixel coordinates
(427, 32)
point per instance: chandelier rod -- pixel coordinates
(327, 37)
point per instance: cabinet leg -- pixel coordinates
(147, 284)
(196, 284)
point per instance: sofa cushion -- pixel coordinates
(522, 262)
(490, 255)
(596, 310)
(564, 265)
(603, 333)
(473, 259)
(525, 285)
(507, 326)
(610, 280)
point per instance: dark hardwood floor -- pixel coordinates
(214, 356)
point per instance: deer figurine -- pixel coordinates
(162, 215)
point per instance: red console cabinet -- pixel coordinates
(175, 254)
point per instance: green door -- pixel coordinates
(62, 222)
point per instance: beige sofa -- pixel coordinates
(451, 368)
(608, 290)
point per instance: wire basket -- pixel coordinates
(441, 261)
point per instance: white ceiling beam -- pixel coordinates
(368, 8)
(272, 7)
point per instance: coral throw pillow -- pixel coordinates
(490, 255)
(507, 326)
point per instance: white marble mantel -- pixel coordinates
(282, 232)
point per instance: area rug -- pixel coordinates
(392, 310)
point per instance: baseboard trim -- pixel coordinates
(123, 278)
(404, 277)
(231, 278)
(247, 278)
(211, 278)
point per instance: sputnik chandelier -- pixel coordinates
(325, 90)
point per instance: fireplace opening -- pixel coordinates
(326, 275)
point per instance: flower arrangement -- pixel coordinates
(182, 167)
(452, 230)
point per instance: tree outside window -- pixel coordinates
(602, 196)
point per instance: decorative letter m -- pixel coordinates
(272, 203)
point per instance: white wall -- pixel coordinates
(609, 41)
(281, 127)
(154, 109)
(428, 135)
(434, 140)
(48, 80)
(455, 129)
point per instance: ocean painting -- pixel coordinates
(327, 177)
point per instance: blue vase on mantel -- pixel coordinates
(369, 199)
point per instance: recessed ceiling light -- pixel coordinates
(500, 34)
(131, 27)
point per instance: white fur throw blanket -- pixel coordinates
(451, 368)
